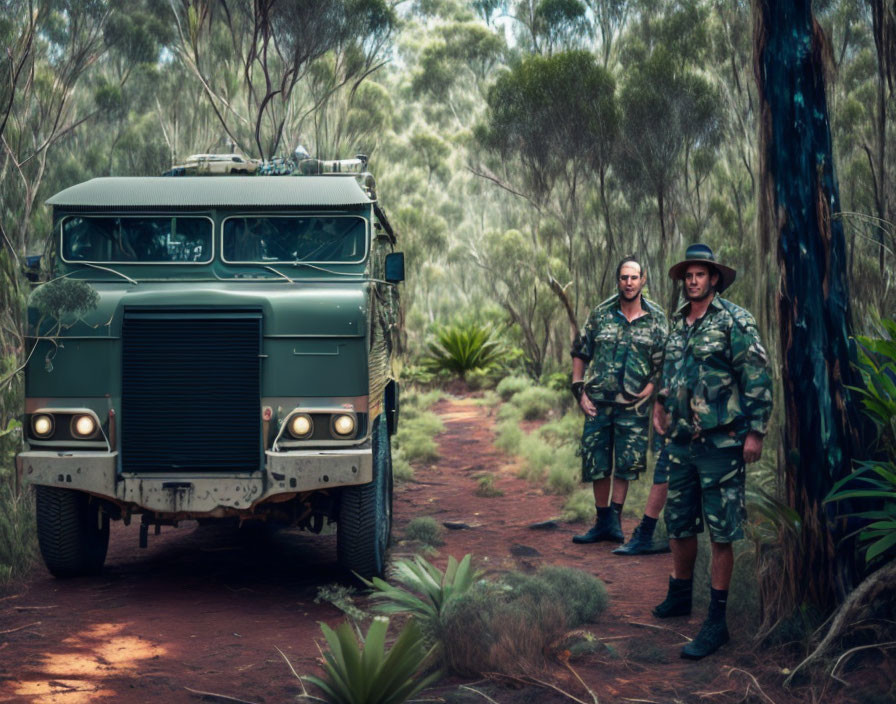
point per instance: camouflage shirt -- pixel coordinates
(715, 376)
(624, 356)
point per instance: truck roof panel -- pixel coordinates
(119, 192)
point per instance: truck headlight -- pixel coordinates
(83, 426)
(343, 425)
(42, 426)
(301, 425)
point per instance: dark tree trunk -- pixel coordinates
(800, 194)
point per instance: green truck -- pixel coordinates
(234, 362)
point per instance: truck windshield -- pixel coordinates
(138, 239)
(291, 239)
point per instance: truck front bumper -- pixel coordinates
(285, 473)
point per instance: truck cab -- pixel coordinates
(234, 362)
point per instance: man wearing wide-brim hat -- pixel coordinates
(713, 406)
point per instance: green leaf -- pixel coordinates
(881, 546)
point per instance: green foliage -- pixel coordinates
(485, 487)
(507, 626)
(415, 439)
(585, 595)
(64, 300)
(877, 365)
(370, 674)
(402, 471)
(426, 530)
(509, 437)
(579, 506)
(873, 482)
(537, 402)
(553, 113)
(511, 385)
(423, 590)
(461, 348)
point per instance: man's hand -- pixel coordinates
(587, 406)
(752, 447)
(660, 418)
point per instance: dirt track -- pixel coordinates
(201, 609)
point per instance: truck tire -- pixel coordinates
(72, 531)
(364, 527)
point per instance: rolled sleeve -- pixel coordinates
(583, 345)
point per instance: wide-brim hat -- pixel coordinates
(702, 254)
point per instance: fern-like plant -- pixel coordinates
(875, 480)
(462, 348)
(369, 674)
(422, 589)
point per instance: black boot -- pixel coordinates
(606, 527)
(678, 599)
(714, 632)
(643, 542)
(713, 635)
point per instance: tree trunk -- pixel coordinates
(799, 194)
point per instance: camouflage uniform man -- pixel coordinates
(622, 345)
(714, 405)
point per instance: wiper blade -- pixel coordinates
(299, 262)
(106, 268)
(279, 273)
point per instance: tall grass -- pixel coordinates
(508, 626)
(415, 440)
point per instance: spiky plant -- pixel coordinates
(369, 674)
(422, 590)
(462, 348)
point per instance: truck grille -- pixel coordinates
(190, 391)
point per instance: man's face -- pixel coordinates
(630, 281)
(698, 283)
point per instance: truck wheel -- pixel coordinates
(365, 513)
(72, 531)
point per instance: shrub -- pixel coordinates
(415, 436)
(486, 486)
(462, 348)
(426, 530)
(401, 468)
(509, 437)
(564, 474)
(566, 430)
(511, 385)
(579, 506)
(536, 402)
(370, 674)
(424, 590)
(506, 626)
(586, 596)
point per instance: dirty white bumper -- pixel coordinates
(284, 473)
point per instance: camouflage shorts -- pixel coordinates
(706, 483)
(614, 438)
(661, 466)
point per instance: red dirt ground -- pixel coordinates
(200, 609)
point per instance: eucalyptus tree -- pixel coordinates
(249, 58)
(608, 25)
(552, 121)
(658, 153)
